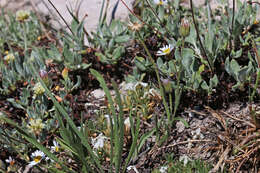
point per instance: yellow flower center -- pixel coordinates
(37, 159)
(161, 2)
(56, 148)
(167, 51)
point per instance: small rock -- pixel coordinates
(180, 127)
(98, 94)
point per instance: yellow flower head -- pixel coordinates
(22, 15)
(9, 58)
(38, 89)
(37, 157)
(35, 126)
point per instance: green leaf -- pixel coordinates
(234, 67)
(205, 86)
(122, 39)
(140, 63)
(118, 52)
(237, 54)
(70, 122)
(33, 141)
(102, 57)
(213, 81)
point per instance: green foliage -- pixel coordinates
(192, 65)
(110, 39)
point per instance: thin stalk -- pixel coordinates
(61, 16)
(233, 15)
(255, 86)
(158, 78)
(133, 147)
(160, 22)
(25, 38)
(232, 25)
(256, 53)
(170, 100)
(143, 22)
(178, 90)
(157, 131)
(198, 36)
(254, 2)
(154, 12)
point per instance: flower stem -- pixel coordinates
(158, 79)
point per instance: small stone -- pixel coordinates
(98, 94)
(180, 127)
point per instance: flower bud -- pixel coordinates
(44, 75)
(185, 27)
(167, 85)
(127, 126)
(64, 73)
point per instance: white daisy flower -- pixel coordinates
(160, 2)
(165, 50)
(55, 147)
(37, 157)
(10, 160)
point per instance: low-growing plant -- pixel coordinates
(185, 50)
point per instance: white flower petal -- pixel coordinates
(165, 50)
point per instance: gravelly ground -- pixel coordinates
(91, 8)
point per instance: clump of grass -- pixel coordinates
(175, 53)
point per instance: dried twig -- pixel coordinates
(185, 142)
(234, 118)
(222, 158)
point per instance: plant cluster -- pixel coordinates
(174, 50)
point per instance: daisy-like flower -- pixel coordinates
(35, 126)
(55, 147)
(22, 15)
(10, 160)
(37, 157)
(9, 58)
(165, 50)
(160, 2)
